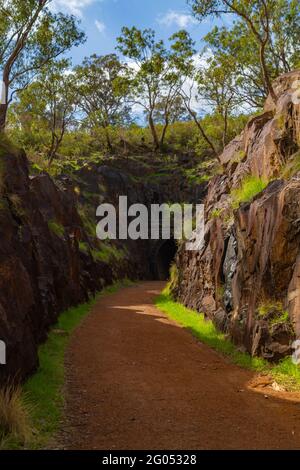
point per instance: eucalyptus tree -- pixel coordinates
(154, 80)
(147, 63)
(49, 104)
(31, 36)
(263, 20)
(238, 45)
(217, 84)
(186, 67)
(102, 92)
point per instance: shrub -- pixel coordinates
(14, 416)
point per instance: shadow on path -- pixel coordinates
(136, 380)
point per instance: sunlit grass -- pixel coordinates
(285, 372)
(43, 392)
(250, 187)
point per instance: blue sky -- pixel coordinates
(102, 21)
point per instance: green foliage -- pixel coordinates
(263, 39)
(239, 156)
(84, 247)
(43, 393)
(102, 93)
(216, 213)
(206, 332)
(273, 312)
(31, 36)
(108, 253)
(56, 228)
(48, 104)
(174, 279)
(250, 187)
(155, 81)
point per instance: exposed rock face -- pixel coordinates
(42, 269)
(141, 184)
(50, 258)
(247, 276)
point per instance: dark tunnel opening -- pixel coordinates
(163, 259)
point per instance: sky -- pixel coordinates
(102, 21)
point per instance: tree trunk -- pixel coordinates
(108, 141)
(202, 131)
(225, 129)
(3, 114)
(266, 75)
(154, 133)
(53, 149)
(4, 102)
(163, 134)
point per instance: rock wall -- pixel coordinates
(43, 271)
(247, 276)
(50, 258)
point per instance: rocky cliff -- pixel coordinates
(50, 258)
(43, 271)
(247, 276)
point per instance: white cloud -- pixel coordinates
(75, 7)
(182, 20)
(100, 26)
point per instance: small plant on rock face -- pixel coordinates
(108, 253)
(83, 246)
(56, 228)
(239, 156)
(174, 278)
(250, 187)
(220, 291)
(273, 312)
(216, 213)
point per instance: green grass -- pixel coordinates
(107, 253)
(274, 312)
(216, 213)
(43, 394)
(285, 372)
(83, 246)
(250, 187)
(56, 228)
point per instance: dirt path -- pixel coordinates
(138, 381)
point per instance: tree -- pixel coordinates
(260, 18)
(148, 58)
(102, 92)
(49, 104)
(30, 37)
(167, 112)
(185, 68)
(154, 83)
(217, 84)
(239, 46)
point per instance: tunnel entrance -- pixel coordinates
(163, 257)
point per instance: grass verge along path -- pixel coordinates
(41, 398)
(285, 372)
